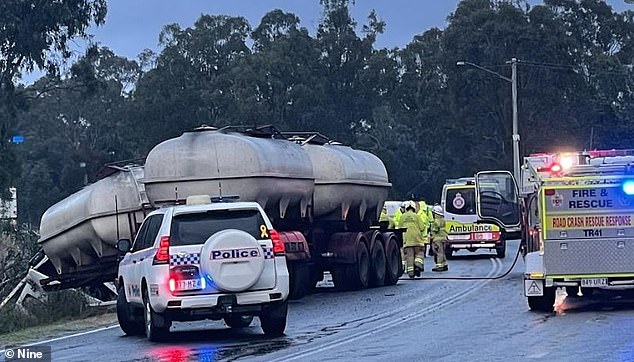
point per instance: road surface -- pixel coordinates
(436, 320)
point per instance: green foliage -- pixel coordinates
(426, 118)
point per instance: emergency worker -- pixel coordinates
(413, 243)
(384, 217)
(397, 216)
(427, 218)
(439, 236)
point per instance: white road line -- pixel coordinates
(69, 336)
(497, 265)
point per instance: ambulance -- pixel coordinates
(579, 219)
(481, 212)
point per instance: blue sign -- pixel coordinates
(17, 139)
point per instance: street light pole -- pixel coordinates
(513, 81)
(516, 135)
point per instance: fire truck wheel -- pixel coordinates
(544, 303)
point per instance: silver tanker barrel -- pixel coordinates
(274, 172)
(83, 228)
(349, 184)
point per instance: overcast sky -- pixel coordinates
(133, 25)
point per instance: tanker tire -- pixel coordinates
(273, 319)
(157, 329)
(572, 291)
(544, 303)
(340, 277)
(299, 274)
(238, 321)
(128, 325)
(360, 273)
(394, 264)
(378, 266)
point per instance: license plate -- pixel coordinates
(594, 282)
(482, 236)
(188, 284)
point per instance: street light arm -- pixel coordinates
(486, 70)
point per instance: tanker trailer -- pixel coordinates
(322, 197)
(79, 233)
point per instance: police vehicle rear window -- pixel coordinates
(460, 201)
(192, 229)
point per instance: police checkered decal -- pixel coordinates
(268, 253)
(193, 258)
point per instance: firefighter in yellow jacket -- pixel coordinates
(413, 242)
(427, 218)
(439, 236)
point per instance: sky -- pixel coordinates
(134, 25)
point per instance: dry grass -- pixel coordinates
(57, 329)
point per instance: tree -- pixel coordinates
(35, 34)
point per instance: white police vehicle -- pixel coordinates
(201, 261)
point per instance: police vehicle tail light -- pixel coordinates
(172, 284)
(162, 255)
(278, 244)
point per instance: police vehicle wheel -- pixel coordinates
(394, 264)
(238, 321)
(128, 325)
(378, 265)
(273, 319)
(156, 327)
(545, 303)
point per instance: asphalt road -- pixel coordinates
(435, 320)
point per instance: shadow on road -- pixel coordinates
(599, 301)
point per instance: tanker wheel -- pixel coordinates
(340, 277)
(360, 276)
(353, 276)
(378, 264)
(394, 264)
(299, 277)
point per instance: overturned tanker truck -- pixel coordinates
(323, 197)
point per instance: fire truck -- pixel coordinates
(579, 224)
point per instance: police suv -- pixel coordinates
(200, 261)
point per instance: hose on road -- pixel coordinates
(517, 256)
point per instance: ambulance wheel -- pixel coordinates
(501, 250)
(544, 303)
(448, 252)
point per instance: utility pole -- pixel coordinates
(513, 81)
(516, 135)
